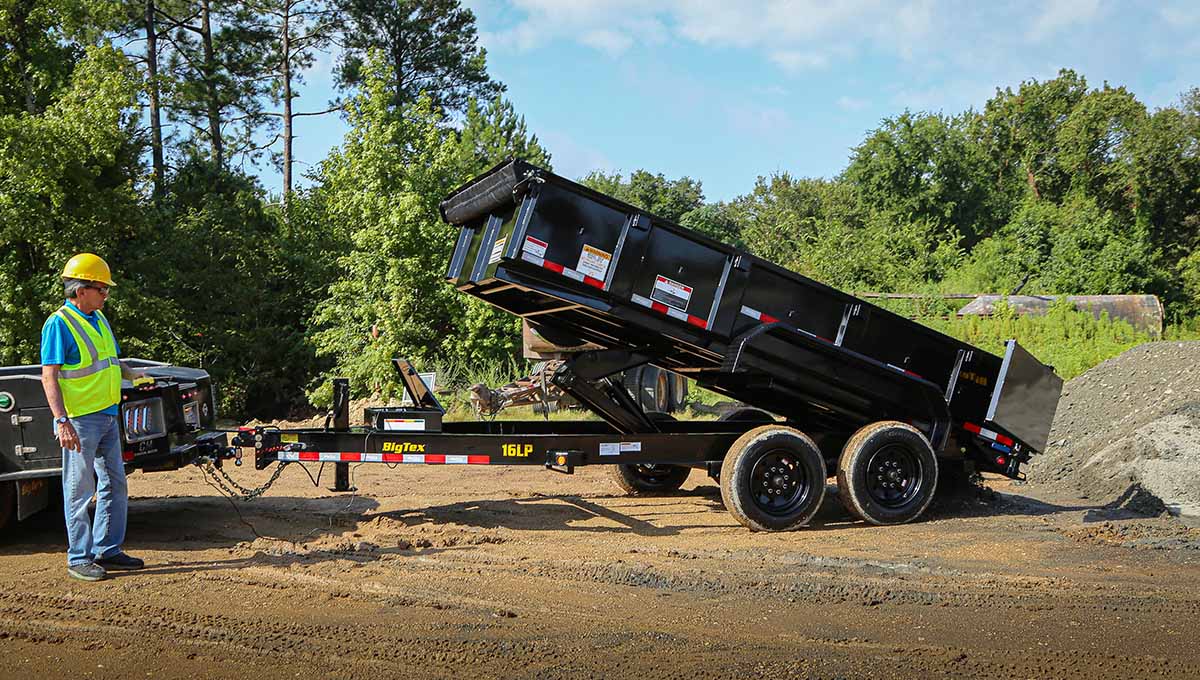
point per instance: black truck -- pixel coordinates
(164, 426)
(843, 388)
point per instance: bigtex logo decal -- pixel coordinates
(403, 447)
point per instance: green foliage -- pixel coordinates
(382, 189)
(429, 48)
(929, 168)
(490, 135)
(66, 185)
(669, 199)
(1071, 341)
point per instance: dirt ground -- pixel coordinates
(517, 572)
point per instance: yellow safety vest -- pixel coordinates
(94, 383)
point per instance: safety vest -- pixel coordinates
(94, 383)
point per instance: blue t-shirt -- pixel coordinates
(59, 346)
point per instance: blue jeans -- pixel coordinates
(98, 461)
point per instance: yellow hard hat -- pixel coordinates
(88, 267)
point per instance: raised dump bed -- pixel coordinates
(582, 266)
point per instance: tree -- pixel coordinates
(429, 46)
(300, 28)
(66, 182)
(217, 60)
(492, 134)
(670, 199)
(381, 190)
(930, 168)
(1020, 133)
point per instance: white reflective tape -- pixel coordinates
(752, 313)
(456, 460)
(572, 274)
(372, 457)
(638, 299)
(676, 314)
(414, 458)
(528, 257)
(288, 456)
(988, 433)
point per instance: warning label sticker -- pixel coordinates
(617, 448)
(593, 262)
(535, 247)
(671, 293)
(497, 251)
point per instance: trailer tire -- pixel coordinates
(773, 479)
(887, 473)
(648, 480)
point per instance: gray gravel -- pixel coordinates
(1130, 429)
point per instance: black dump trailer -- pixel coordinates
(842, 388)
(164, 426)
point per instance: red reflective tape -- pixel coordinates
(697, 321)
(595, 283)
(971, 427)
(393, 457)
(767, 318)
(351, 457)
(553, 266)
(915, 375)
(479, 460)
(1001, 439)
(309, 455)
(658, 307)
(435, 459)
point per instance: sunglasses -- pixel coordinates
(103, 290)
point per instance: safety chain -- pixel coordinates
(217, 473)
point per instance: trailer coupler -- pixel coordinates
(563, 461)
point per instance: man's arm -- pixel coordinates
(132, 375)
(67, 436)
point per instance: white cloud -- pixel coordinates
(767, 121)
(791, 60)
(852, 103)
(1060, 14)
(796, 35)
(570, 158)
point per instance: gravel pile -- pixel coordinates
(1129, 430)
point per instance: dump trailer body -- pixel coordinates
(581, 265)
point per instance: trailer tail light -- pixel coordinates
(1001, 461)
(127, 455)
(142, 420)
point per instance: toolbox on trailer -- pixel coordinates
(164, 426)
(843, 388)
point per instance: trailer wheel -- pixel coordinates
(773, 478)
(647, 479)
(887, 473)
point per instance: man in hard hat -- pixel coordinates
(81, 375)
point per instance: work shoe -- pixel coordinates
(88, 571)
(121, 562)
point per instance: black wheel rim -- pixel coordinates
(779, 483)
(652, 474)
(894, 476)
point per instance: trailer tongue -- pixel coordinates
(866, 395)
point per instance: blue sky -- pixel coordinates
(727, 91)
